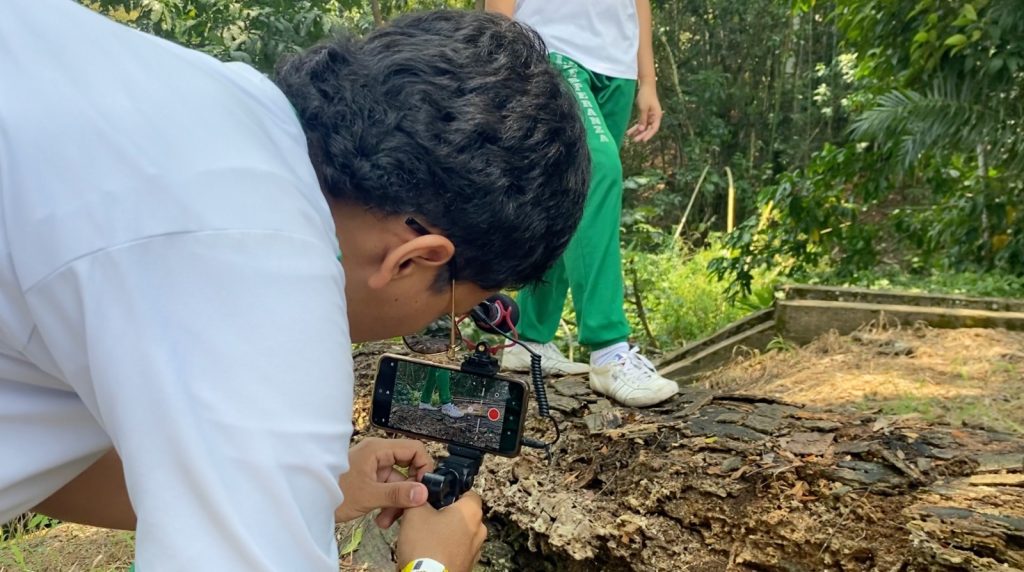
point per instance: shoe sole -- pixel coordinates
(658, 398)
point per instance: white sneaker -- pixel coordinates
(451, 410)
(552, 361)
(632, 380)
(427, 406)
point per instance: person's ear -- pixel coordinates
(423, 253)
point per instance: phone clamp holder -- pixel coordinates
(453, 476)
(481, 362)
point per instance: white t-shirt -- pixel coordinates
(169, 286)
(602, 35)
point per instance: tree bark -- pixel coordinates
(713, 481)
(378, 18)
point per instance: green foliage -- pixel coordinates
(409, 383)
(841, 216)
(361, 16)
(751, 86)
(780, 344)
(992, 284)
(972, 411)
(26, 524)
(256, 32)
(680, 302)
(946, 118)
(908, 42)
(930, 178)
(807, 220)
(867, 139)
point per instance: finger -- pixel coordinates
(405, 453)
(366, 442)
(642, 125)
(635, 130)
(388, 517)
(655, 124)
(641, 121)
(404, 494)
(648, 130)
(396, 475)
(650, 115)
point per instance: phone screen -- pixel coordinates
(445, 404)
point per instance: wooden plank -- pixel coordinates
(756, 338)
(1007, 480)
(727, 332)
(801, 321)
(864, 295)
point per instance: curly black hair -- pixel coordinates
(456, 117)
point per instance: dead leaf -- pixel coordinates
(740, 472)
(353, 541)
(808, 443)
(799, 488)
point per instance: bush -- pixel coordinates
(671, 299)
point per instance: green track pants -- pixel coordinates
(592, 263)
(441, 378)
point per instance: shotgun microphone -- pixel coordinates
(498, 314)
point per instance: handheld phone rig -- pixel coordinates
(454, 475)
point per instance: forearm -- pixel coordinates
(97, 497)
(645, 52)
(506, 7)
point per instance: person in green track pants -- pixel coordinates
(603, 50)
(440, 379)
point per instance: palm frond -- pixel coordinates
(948, 118)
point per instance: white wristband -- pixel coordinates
(424, 565)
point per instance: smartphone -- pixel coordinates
(443, 403)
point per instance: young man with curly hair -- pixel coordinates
(188, 249)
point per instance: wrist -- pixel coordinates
(647, 82)
(424, 565)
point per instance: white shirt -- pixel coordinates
(601, 35)
(169, 286)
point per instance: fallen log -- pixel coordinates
(715, 481)
(727, 480)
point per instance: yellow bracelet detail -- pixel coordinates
(424, 565)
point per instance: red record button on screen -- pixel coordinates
(493, 414)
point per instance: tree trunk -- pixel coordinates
(986, 235)
(713, 481)
(378, 18)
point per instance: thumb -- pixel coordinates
(403, 494)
